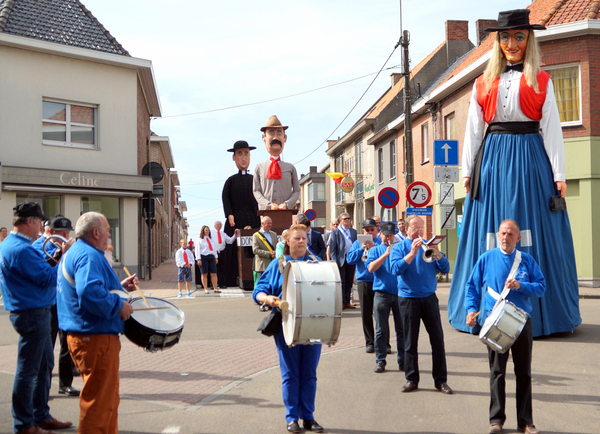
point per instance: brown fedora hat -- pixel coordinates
(273, 122)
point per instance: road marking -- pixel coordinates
(232, 293)
(171, 430)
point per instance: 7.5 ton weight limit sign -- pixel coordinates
(418, 194)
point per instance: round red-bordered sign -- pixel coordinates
(388, 197)
(418, 194)
(310, 214)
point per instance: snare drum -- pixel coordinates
(503, 326)
(154, 329)
(314, 292)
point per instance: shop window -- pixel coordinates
(65, 124)
(110, 207)
(50, 203)
(566, 90)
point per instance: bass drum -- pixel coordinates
(313, 290)
(157, 329)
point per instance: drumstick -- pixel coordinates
(283, 305)
(477, 314)
(150, 308)
(137, 287)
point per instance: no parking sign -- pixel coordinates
(388, 197)
(310, 214)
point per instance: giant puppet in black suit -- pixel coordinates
(240, 206)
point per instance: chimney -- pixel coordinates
(396, 76)
(312, 169)
(480, 26)
(457, 30)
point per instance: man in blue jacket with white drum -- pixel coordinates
(492, 270)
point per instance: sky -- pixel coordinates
(223, 67)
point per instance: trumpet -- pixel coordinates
(58, 237)
(429, 254)
(365, 255)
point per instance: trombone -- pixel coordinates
(429, 254)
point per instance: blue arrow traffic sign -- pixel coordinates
(445, 152)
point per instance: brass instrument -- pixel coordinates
(429, 254)
(58, 237)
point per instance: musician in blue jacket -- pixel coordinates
(298, 364)
(417, 283)
(93, 317)
(357, 257)
(492, 270)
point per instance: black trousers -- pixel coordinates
(365, 296)
(347, 276)
(227, 268)
(65, 363)
(412, 311)
(521, 354)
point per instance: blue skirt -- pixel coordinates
(517, 183)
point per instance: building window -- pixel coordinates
(403, 155)
(358, 157)
(450, 127)
(425, 142)
(50, 203)
(392, 159)
(318, 222)
(316, 191)
(359, 190)
(339, 167)
(110, 207)
(566, 90)
(69, 125)
(380, 163)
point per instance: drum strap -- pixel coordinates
(511, 275)
(283, 261)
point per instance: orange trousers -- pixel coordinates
(97, 359)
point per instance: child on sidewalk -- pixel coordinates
(184, 259)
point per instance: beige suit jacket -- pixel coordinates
(262, 256)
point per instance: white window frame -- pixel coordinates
(570, 65)
(380, 160)
(393, 161)
(68, 124)
(425, 143)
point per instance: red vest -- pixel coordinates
(530, 101)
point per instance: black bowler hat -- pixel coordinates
(29, 209)
(60, 223)
(515, 19)
(388, 228)
(241, 144)
(369, 222)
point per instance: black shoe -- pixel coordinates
(69, 391)
(379, 368)
(370, 349)
(409, 387)
(401, 367)
(293, 426)
(312, 425)
(445, 389)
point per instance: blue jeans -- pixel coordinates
(35, 361)
(382, 304)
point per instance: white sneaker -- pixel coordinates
(179, 295)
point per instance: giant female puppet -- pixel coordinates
(513, 171)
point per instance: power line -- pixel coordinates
(276, 99)
(352, 109)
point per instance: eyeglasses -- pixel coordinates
(416, 229)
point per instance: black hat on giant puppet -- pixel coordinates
(513, 20)
(29, 209)
(241, 144)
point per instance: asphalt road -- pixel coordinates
(223, 377)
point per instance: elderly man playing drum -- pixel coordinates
(298, 364)
(492, 270)
(93, 318)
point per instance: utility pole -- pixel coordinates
(407, 110)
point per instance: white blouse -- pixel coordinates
(508, 109)
(202, 248)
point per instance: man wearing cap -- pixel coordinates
(93, 316)
(240, 207)
(385, 287)
(417, 283)
(28, 287)
(314, 240)
(276, 182)
(357, 257)
(58, 225)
